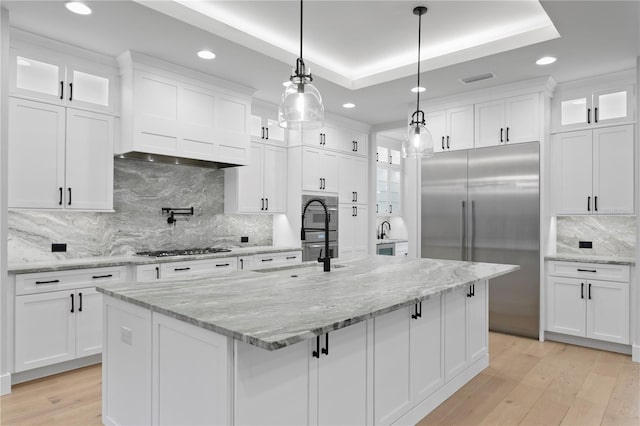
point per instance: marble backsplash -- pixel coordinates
(611, 235)
(141, 189)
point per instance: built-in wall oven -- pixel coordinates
(314, 218)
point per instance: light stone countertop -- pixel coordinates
(99, 262)
(279, 307)
(586, 258)
(391, 241)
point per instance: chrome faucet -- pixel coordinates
(326, 260)
(382, 234)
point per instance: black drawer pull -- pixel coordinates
(48, 282)
(221, 264)
(72, 303)
(291, 257)
(267, 260)
(181, 269)
(95, 277)
(587, 270)
(80, 307)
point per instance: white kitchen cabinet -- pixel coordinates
(451, 129)
(319, 170)
(588, 307)
(388, 191)
(198, 267)
(408, 358)
(504, 121)
(259, 187)
(266, 129)
(587, 108)
(360, 141)
(465, 313)
(168, 112)
(353, 179)
(65, 162)
(388, 156)
(147, 272)
(334, 137)
(353, 232)
(62, 79)
(57, 326)
(594, 171)
(270, 260)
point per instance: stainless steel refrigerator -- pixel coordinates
(483, 205)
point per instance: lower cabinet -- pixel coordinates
(57, 326)
(352, 223)
(198, 267)
(581, 306)
(269, 260)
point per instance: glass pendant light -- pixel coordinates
(301, 105)
(418, 142)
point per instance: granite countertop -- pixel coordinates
(99, 262)
(391, 240)
(280, 307)
(590, 258)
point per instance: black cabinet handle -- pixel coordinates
(61, 90)
(325, 350)
(377, 156)
(96, 277)
(443, 143)
(589, 292)
(316, 353)
(291, 257)
(587, 270)
(581, 290)
(501, 131)
(324, 183)
(70, 91)
(267, 260)
(390, 208)
(356, 142)
(588, 115)
(157, 273)
(261, 203)
(80, 307)
(267, 130)
(418, 311)
(356, 209)
(69, 203)
(447, 142)
(48, 282)
(377, 210)
(262, 132)
(595, 116)
(352, 212)
(181, 269)
(219, 265)
(595, 203)
(356, 196)
(241, 263)
(320, 183)
(473, 289)
(507, 134)
(266, 204)
(60, 201)
(72, 303)
(589, 203)
(470, 293)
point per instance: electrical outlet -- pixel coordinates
(56, 247)
(126, 335)
(244, 239)
(585, 244)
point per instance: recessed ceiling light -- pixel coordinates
(348, 105)
(418, 89)
(206, 54)
(546, 60)
(78, 7)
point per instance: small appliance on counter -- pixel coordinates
(314, 218)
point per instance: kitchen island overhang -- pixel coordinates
(241, 314)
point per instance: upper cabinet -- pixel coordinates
(451, 129)
(594, 103)
(504, 121)
(172, 111)
(266, 129)
(61, 79)
(593, 171)
(334, 137)
(388, 178)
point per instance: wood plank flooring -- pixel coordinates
(527, 383)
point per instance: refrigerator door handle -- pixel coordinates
(472, 230)
(463, 232)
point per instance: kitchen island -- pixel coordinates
(377, 340)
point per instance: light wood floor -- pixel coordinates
(527, 383)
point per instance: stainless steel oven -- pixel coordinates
(314, 218)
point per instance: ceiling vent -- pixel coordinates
(477, 78)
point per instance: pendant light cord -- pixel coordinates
(419, 37)
(300, 29)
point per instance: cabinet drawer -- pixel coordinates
(272, 260)
(596, 271)
(198, 267)
(62, 280)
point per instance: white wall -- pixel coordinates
(5, 378)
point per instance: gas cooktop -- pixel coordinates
(183, 252)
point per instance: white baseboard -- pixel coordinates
(635, 353)
(5, 384)
(590, 343)
(37, 373)
(418, 412)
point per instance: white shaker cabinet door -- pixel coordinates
(312, 169)
(455, 349)
(489, 123)
(89, 161)
(427, 338)
(88, 322)
(360, 229)
(36, 150)
(275, 179)
(250, 181)
(346, 232)
(436, 123)
(477, 317)
(44, 329)
(613, 170)
(572, 170)
(460, 128)
(522, 119)
(566, 305)
(608, 311)
(330, 171)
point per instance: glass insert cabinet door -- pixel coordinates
(394, 192)
(38, 77)
(601, 107)
(382, 190)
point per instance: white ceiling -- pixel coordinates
(596, 37)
